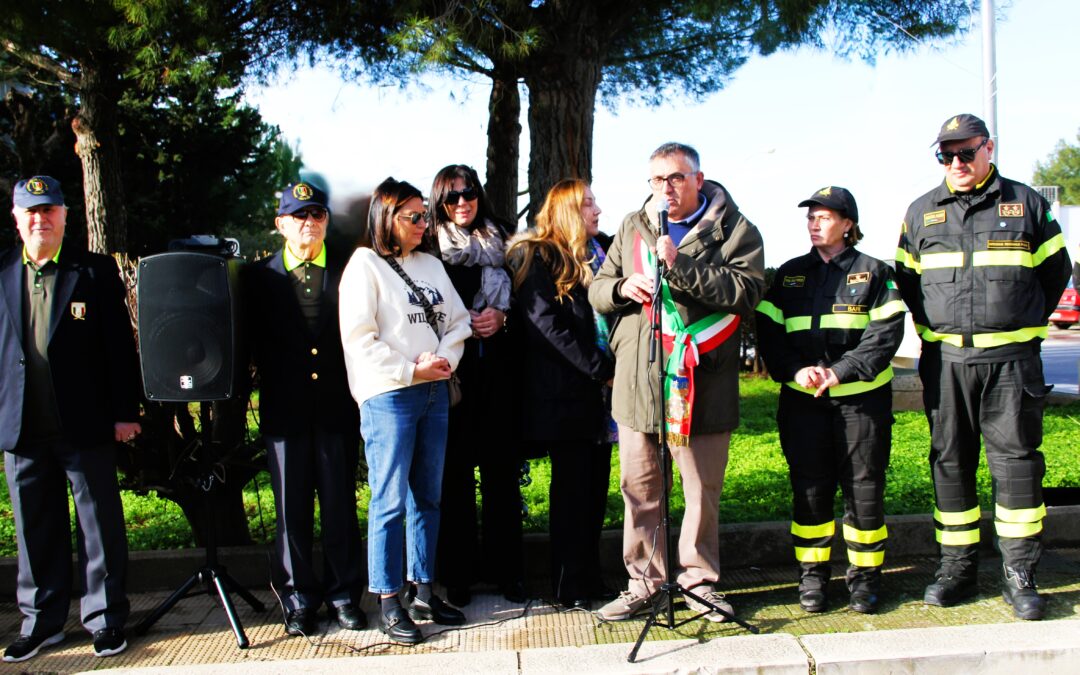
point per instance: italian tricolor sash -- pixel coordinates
(683, 346)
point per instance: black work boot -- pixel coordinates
(864, 584)
(1019, 593)
(813, 585)
(951, 586)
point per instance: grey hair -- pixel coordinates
(669, 149)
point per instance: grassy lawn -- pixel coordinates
(756, 488)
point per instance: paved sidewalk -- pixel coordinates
(905, 636)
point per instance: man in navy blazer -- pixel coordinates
(69, 390)
(308, 419)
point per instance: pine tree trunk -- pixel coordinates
(562, 102)
(504, 139)
(96, 144)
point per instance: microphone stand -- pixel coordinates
(670, 589)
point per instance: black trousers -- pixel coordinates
(491, 550)
(828, 442)
(580, 472)
(301, 466)
(1001, 404)
(38, 478)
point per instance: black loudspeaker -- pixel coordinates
(189, 326)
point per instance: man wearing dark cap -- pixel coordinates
(69, 390)
(308, 419)
(981, 264)
(827, 329)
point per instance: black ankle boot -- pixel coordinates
(813, 588)
(1019, 593)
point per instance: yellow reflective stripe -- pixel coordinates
(772, 311)
(1049, 248)
(849, 388)
(888, 309)
(984, 340)
(845, 321)
(930, 336)
(865, 536)
(1017, 530)
(1032, 515)
(866, 559)
(907, 260)
(797, 323)
(808, 555)
(936, 261)
(1009, 258)
(813, 531)
(957, 517)
(964, 538)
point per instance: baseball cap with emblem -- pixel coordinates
(836, 198)
(959, 127)
(37, 190)
(296, 196)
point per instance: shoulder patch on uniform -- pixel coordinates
(933, 218)
(1008, 245)
(794, 282)
(858, 278)
(849, 309)
(1014, 210)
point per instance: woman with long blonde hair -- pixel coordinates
(567, 364)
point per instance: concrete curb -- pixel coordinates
(741, 545)
(1047, 646)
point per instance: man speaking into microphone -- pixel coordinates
(712, 272)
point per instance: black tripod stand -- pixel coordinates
(214, 576)
(670, 589)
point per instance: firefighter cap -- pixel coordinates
(836, 198)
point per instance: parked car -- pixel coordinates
(1068, 309)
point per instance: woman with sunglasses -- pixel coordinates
(403, 329)
(567, 365)
(472, 245)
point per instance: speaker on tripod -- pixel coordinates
(190, 351)
(189, 332)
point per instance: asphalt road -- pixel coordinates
(1061, 359)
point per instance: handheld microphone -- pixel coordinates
(662, 212)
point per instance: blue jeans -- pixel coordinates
(405, 444)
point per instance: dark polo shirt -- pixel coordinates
(307, 278)
(41, 418)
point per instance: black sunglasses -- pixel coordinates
(414, 217)
(316, 214)
(967, 155)
(453, 196)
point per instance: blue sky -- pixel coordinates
(785, 126)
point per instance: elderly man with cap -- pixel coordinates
(827, 329)
(69, 390)
(981, 264)
(307, 416)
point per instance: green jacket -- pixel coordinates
(719, 268)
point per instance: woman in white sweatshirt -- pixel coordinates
(403, 328)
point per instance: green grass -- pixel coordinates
(756, 488)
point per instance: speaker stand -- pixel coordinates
(214, 577)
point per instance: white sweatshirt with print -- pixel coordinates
(383, 328)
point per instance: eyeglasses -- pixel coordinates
(414, 217)
(675, 180)
(452, 197)
(967, 155)
(316, 214)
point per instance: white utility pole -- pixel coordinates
(990, 88)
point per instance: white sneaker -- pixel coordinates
(714, 598)
(627, 606)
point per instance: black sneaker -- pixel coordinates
(109, 641)
(27, 646)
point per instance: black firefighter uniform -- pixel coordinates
(845, 314)
(981, 272)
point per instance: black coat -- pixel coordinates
(564, 368)
(95, 368)
(286, 353)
